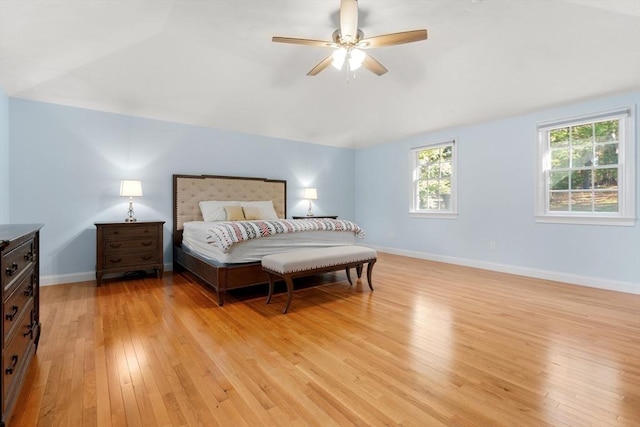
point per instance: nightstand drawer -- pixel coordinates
(129, 259)
(127, 232)
(113, 246)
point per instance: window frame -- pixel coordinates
(626, 215)
(452, 212)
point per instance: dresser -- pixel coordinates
(20, 270)
(123, 247)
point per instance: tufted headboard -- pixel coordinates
(189, 190)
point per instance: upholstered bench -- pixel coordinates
(289, 265)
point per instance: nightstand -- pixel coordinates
(314, 217)
(122, 247)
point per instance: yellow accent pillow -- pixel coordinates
(234, 213)
(251, 213)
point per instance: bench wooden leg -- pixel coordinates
(348, 270)
(270, 288)
(289, 282)
(369, 271)
(359, 270)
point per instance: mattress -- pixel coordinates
(194, 238)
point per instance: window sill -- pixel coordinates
(586, 220)
(437, 215)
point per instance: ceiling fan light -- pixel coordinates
(338, 58)
(356, 57)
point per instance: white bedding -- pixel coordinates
(195, 234)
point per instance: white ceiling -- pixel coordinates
(212, 63)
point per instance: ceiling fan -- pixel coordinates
(349, 43)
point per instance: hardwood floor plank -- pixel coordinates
(434, 344)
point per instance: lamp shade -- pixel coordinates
(130, 188)
(310, 194)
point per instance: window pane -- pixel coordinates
(581, 179)
(606, 201)
(559, 180)
(434, 171)
(582, 156)
(582, 134)
(447, 153)
(607, 131)
(560, 158)
(606, 178)
(446, 169)
(433, 203)
(581, 201)
(559, 137)
(422, 172)
(559, 201)
(607, 154)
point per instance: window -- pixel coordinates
(434, 180)
(587, 170)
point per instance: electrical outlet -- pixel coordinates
(492, 246)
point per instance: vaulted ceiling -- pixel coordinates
(212, 63)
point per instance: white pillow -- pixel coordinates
(213, 210)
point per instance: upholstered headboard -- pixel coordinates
(189, 190)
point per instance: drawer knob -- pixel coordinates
(115, 260)
(29, 330)
(10, 270)
(12, 315)
(147, 257)
(115, 245)
(147, 243)
(29, 255)
(28, 292)
(14, 362)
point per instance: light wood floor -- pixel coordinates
(434, 344)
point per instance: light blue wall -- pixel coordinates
(4, 158)
(496, 191)
(66, 166)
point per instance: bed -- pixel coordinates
(240, 266)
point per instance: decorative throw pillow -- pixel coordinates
(213, 210)
(234, 213)
(251, 213)
(267, 212)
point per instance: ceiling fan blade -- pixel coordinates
(321, 66)
(373, 65)
(393, 39)
(349, 20)
(307, 42)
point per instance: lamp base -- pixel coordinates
(130, 218)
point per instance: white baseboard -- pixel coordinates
(592, 282)
(89, 276)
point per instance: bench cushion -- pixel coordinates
(310, 259)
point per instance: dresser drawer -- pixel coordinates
(16, 261)
(16, 353)
(127, 232)
(20, 300)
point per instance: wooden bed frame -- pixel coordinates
(188, 191)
